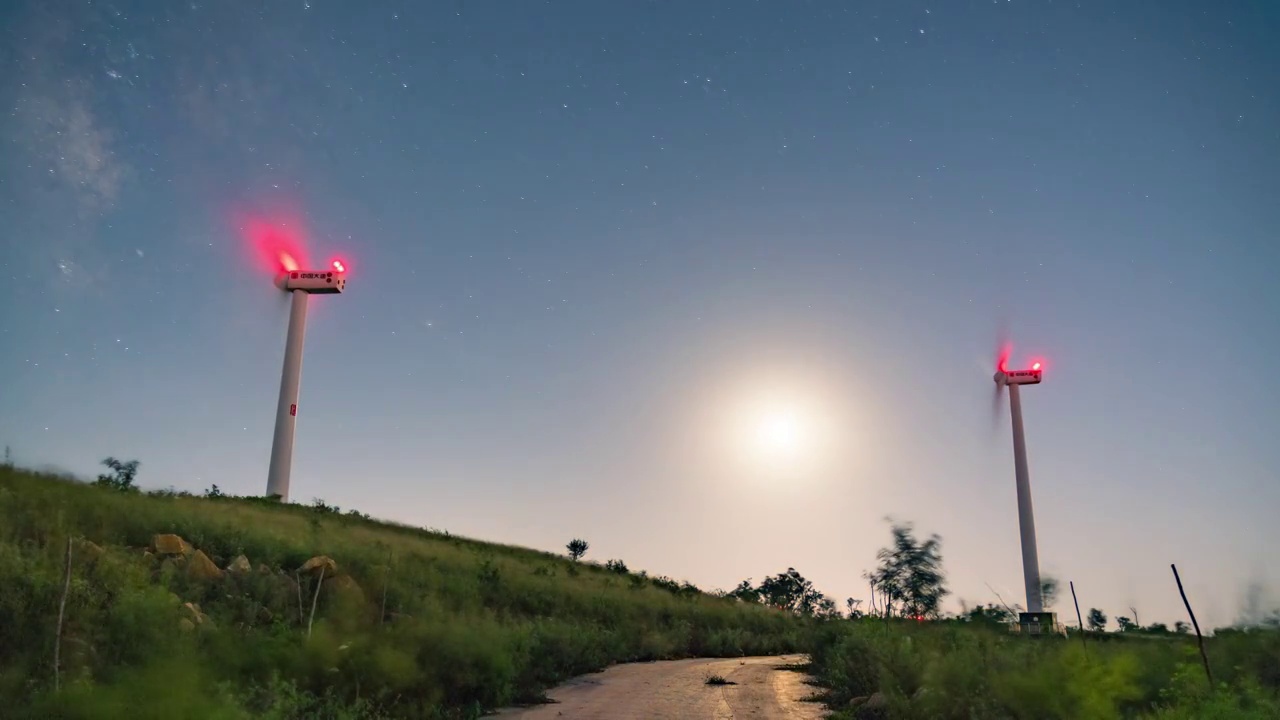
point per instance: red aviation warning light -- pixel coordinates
(277, 244)
(339, 266)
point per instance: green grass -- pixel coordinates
(962, 671)
(468, 626)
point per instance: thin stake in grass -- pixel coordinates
(386, 576)
(298, 584)
(314, 598)
(62, 615)
(1079, 619)
(1199, 638)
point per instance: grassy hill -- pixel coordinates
(182, 607)
(260, 610)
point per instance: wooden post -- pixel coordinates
(301, 609)
(1079, 619)
(314, 598)
(1199, 638)
(62, 613)
(386, 576)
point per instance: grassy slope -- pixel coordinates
(468, 625)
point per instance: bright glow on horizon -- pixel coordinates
(780, 435)
(781, 426)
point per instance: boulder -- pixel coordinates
(172, 564)
(319, 563)
(170, 545)
(200, 567)
(875, 708)
(193, 612)
(195, 616)
(346, 588)
(240, 566)
(89, 550)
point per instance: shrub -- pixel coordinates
(972, 671)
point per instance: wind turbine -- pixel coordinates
(1035, 620)
(300, 284)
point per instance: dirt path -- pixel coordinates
(678, 690)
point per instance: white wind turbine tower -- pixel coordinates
(300, 284)
(1035, 620)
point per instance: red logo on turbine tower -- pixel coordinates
(293, 410)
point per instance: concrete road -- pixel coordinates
(678, 690)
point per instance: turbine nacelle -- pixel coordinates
(316, 282)
(1020, 377)
(1004, 376)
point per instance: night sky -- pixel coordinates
(596, 247)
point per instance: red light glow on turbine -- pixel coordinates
(339, 266)
(1035, 366)
(277, 245)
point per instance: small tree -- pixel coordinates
(746, 592)
(791, 591)
(1125, 624)
(854, 606)
(121, 477)
(577, 547)
(989, 614)
(1181, 628)
(1048, 590)
(910, 573)
(617, 566)
(825, 609)
(1097, 620)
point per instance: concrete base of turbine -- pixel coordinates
(1039, 623)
